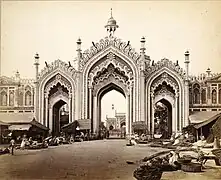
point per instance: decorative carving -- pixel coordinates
(58, 79)
(108, 80)
(113, 64)
(165, 63)
(168, 79)
(59, 93)
(164, 92)
(105, 43)
(58, 64)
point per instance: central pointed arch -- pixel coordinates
(109, 69)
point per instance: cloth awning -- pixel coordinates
(81, 123)
(4, 124)
(204, 123)
(20, 127)
(39, 125)
(201, 116)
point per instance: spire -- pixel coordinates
(111, 25)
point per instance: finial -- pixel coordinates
(208, 71)
(142, 45)
(79, 44)
(187, 54)
(36, 56)
(111, 25)
(36, 59)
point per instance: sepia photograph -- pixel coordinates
(110, 90)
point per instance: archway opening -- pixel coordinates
(163, 119)
(57, 122)
(58, 98)
(112, 110)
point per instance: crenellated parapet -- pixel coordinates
(123, 47)
(57, 64)
(164, 63)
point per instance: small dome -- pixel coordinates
(111, 21)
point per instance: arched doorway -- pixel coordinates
(112, 109)
(58, 111)
(57, 118)
(163, 118)
(110, 77)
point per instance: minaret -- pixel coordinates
(79, 54)
(144, 59)
(111, 26)
(36, 104)
(36, 64)
(17, 77)
(113, 111)
(187, 55)
(186, 92)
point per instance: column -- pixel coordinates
(152, 115)
(128, 116)
(174, 122)
(90, 103)
(46, 110)
(178, 128)
(131, 111)
(95, 129)
(142, 96)
(50, 122)
(69, 106)
(8, 96)
(186, 104)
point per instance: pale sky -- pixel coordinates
(51, 28)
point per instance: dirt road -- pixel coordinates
(93, 160)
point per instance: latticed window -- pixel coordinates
(203, 96)
(3, 99)
(219, 96)
(20, 99)
(11, 99)
(196, 96)
(28, 98)
(214, 96)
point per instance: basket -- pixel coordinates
(217, 152)
(184, 160)
(191, 167)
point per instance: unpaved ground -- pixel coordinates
(93, 160)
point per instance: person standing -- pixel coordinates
(12, 145)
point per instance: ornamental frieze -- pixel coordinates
(111, 61)
(57, 64)
(165, 63)
(58, 79)
(165, 78)
(108, 80)
(164, 92)
(123, 47)
(59, 93)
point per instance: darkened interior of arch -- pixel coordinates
(164, 114)
(57, 123)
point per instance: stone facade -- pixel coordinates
(112, 64)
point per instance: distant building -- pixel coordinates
(116, 122)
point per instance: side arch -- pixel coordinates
(41, 94)
(180, 93)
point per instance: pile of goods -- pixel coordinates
(4, 151)
(153, 166)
